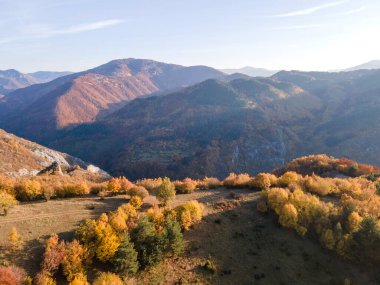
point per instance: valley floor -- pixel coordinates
(245, 246)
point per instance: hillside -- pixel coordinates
(11, 79)
(83, 97)
(212, 128)
(373, 64)
(22, 158)
(242, 125)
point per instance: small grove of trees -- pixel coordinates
(121, 239)
(350, 226)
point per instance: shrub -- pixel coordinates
(76, 260)
(7, 185)
(12, 275)
(189, 214)
(263, 181)
(237, 181)
(138, 191)
(125, 184)
(166, 191)
(48, 192)
(354, 220)
(80, 279)
(288, 178)
(136, 202)
(54, 254)
(14, 238)
(107, 278)
(186, 186)
(209, 266)
(277, 197)
(28, 190)
(71, 190)
(7, 201)
(151, 185)
(114, 185)
(262, 207)
(209, 183)
(289, 216)
(125, 259)
(44, 278)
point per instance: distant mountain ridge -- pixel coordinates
(12, 79)
(251, 71)
(243, 125)
(86, 96)
(373, 64)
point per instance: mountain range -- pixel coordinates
(143, 118)
(12, 79)
(251, 71)
(86, 96)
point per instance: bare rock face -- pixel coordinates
(54, 168)
(22, 158)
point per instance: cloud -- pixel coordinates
(41, 31)
(309, 11)
(297, 27)
(354, 11)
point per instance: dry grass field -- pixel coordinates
(244, 246)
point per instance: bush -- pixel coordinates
(72, 190)
(28, 190)
(125, 184)
(138, 191)
(107, 240)
(237, 181)
(152, 185)
(54, 254)
(7, 201)
(76, 260)
(136, 202)
(12, 275)
(186, 186)
(125, 259)
(114, 185)
(263, 181)
(209, 183)
(107, 278)
(189, 214)
(44, 278)
(166, 191)
(288, 178)
(14, 239)
(80, 279)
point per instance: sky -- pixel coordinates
(75, 35)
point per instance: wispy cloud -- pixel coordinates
(354, 11)
(309, 11)
(298, 27)
(38, 31)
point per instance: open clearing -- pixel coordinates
(245, 246)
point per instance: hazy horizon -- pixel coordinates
(291, 35)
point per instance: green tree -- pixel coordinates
(166, 191)
(125, 259)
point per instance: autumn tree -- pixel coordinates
(76, 260)
(12, 275)
(80, 279)
(166, 191)
(54, 254)
(7, 201)
(107, 278)
(14, 238)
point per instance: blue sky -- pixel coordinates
(277, 34)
